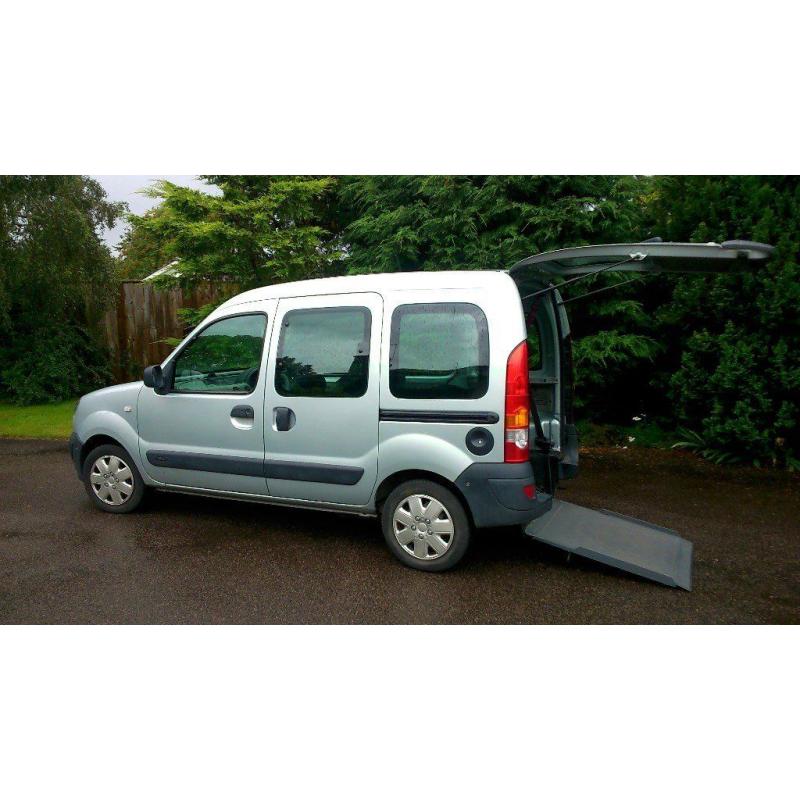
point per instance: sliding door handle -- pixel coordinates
(283, 418)
(243, 412)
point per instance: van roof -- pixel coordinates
(384, 282)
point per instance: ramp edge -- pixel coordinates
(678, 576)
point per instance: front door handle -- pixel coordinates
(243, 412)
(283, 418)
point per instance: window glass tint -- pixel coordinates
(223, 358)
(439, 350)
(324, 352)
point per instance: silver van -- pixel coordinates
(403, 396)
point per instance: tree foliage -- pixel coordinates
(399, 223)
(734, 376)
(254, 230)
(56, 278)
(142, 250)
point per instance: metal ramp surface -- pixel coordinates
(623, 542)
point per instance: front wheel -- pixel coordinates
(425, 526)
(111, 479)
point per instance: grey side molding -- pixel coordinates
(623, 542)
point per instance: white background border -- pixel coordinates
(424, 86)
(381, 712)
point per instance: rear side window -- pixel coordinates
(439, 351)
(324, 352)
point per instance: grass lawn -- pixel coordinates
(48, 421)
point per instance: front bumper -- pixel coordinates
(75, 446)
(495, 494)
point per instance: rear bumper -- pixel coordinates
(496, 497)
(75, 445)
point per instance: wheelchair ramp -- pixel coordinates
(623, 542)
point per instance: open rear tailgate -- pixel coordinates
(623, 542)
(654, 257)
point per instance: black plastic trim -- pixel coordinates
(479, 441)
(199, 462)
(257, 467)
(316, 473)
(494, 493)
(466, 417)
(243, 412)
(285, 418)
(75, 447)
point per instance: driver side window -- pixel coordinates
(223, 358)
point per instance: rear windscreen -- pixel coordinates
(439, 351)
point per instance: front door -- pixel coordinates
(321, 406)
(207, 430)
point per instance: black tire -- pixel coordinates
(133, 500)
(453, 509)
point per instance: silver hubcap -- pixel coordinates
(112, 480)
(423, 527)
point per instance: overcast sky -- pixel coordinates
(126, 187)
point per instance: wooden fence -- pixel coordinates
(144, 316)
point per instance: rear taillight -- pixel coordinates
(518, 405)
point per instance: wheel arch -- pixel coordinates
(391, 482)
(96, 441)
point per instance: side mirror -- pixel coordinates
(154, 378)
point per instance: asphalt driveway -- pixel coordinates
(194, 560)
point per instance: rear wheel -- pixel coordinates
(425, 526)
(111, 479)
